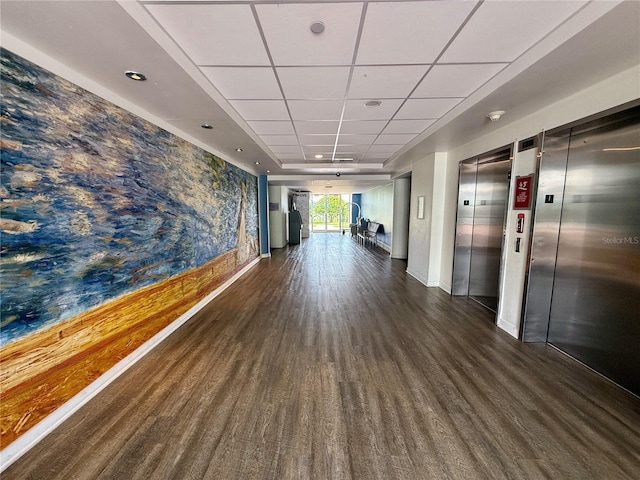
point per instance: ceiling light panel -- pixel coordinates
(261, 109)
(244, 82)
(408, 126)
(291, 42)
(356, 110)
(213, 34)
(272, 127)
(313, 82)
(371, 127)
(385, 81)
(315, 109)
(317, 127)
(426, 108)
(502, 31)
(409, 32)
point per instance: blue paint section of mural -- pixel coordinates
(97, 202)
(355, 198)
(264, 219)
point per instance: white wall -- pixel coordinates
(617, 90)
(515, 263)
(401, 203)
(422, 176)
(377, 206)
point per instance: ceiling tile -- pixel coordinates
(409, 32)
(394, 139)
(384, 149)
(244, 82)
(273, 140)
(456, 80)
(356, 139)
(376, 156)
(314, 82)
(355, 110)
(326, 126)
(290, 156)
(291, 42)
(261, 109)
(286, 149)
(315, 109)
(272, 128)
(425, 108)
(502, 31)
(328, 140)
(351, 150)
(318, 150)
(370, 127)
(408, 126)
(213, 34)
(385, 81)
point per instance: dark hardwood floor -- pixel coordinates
(328, 362)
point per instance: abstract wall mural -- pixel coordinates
(111, 228)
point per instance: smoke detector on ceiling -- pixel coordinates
(317, 27)
(495, 116)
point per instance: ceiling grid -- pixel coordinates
(278, 96)
(361, 89)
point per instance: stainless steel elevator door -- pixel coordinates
(544, 244)
(483, 193)
(464, 227)
(492, 189)
(595, 307)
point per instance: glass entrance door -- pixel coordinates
(329, 212)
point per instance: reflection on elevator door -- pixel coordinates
(482, 203)
(584, 283)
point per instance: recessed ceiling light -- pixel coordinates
(268, 171)
(257, 163)
(238, 149)
(372, 103)
(318, 156)
(137, 76)
(206, 126)
(317, 27)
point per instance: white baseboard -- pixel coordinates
(430, 284)
(265, 255)
(418, 277)
(510, 328)
(30, 438)
(385, 247)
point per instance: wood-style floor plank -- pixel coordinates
(328, 361)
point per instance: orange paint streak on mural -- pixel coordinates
(42, 371)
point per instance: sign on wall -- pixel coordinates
(523, 192)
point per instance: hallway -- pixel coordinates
(327, 361)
